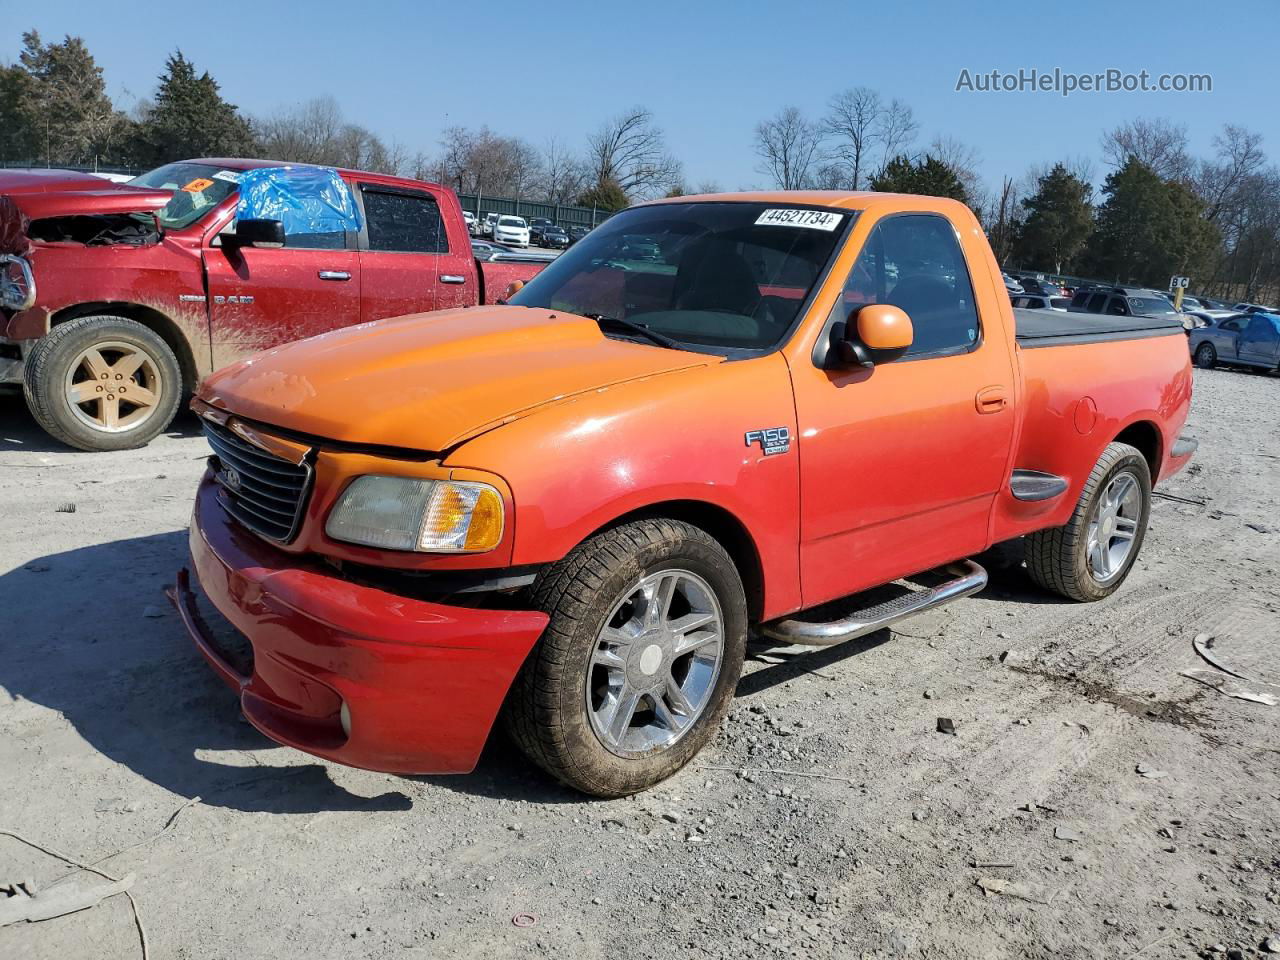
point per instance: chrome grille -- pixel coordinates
(263, 492)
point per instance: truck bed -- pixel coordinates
(1053, 328)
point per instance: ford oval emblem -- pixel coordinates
(231, 480)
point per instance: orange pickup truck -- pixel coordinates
(713, 415)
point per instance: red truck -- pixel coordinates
(116, 299)
(712, 415)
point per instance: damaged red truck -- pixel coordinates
(116, 299)
(712, 415)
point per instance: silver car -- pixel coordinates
(1239, 340)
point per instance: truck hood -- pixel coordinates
(429, 381)
(64, 203)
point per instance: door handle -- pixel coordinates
(334, 275)
(452, 278)
(991, 400)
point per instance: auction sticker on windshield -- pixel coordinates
(790, 217)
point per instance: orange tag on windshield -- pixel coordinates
(198, 185)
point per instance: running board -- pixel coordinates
(971, 579)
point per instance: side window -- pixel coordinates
(914, 261)
(1080, 299)
(1118, 307)
(1232, 325)
(1097, 302)
(403, 222)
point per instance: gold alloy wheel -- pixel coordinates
(114, 386)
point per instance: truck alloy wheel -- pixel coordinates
(1114, 523)
(102, 383)
(639, 661)
(656, 663)
(114, 386)
(1089, 557)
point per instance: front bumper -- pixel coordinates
(421, 682)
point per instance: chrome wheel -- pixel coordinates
(655, 663)
(1113, 527)
(114, 386)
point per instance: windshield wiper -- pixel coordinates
(653, 336)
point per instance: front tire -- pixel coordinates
(102, 383)
(1206, 356)
(639, 663)
(1091, 555)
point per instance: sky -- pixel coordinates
(710, 70)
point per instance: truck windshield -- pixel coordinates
(197, 189)
(721, 276)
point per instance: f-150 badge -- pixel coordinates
(771, 439)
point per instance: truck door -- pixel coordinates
(404, 253)
(900, 464)
(261, 297)
(1259, 341)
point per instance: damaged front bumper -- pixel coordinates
(350, 673)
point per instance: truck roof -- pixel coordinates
(838, 199)
(241, 163)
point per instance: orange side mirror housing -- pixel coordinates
(879, 333)
(514, 287)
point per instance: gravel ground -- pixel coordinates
(830, 819)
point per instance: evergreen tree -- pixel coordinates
(929, 177)
(607, 195)
(1059, 220)
(189, 118)
(1149, 229)
(66, 102)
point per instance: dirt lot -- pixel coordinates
(830, 819)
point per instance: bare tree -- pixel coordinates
(481, 161)
(563, 174)
(1158, 143)
(896, 130)
(1002, 217)
(1218, 181)
(630, 150)
(853, 122)
(788, 145)
(963, 159)
(709, 186)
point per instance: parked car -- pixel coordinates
(1012, 285)
(116, 299)
(1245, 307)
(1127, 302)
(1208, 303)
(1044, 288)
(486, 250)
(554, 237)
(473, 225)
(512, 230)
(1240, 340)
(486, 224)
(576, 233)
(576, 508)
(1034, 301)
(536, 226)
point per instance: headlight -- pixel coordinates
(431, 516)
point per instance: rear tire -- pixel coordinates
(1091, 555)
(597, 652)
(102, 383)
(1206, 356)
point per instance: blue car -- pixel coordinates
(1242, 340)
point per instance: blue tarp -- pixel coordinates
(307, 200)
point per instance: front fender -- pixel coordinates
(575, 467)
